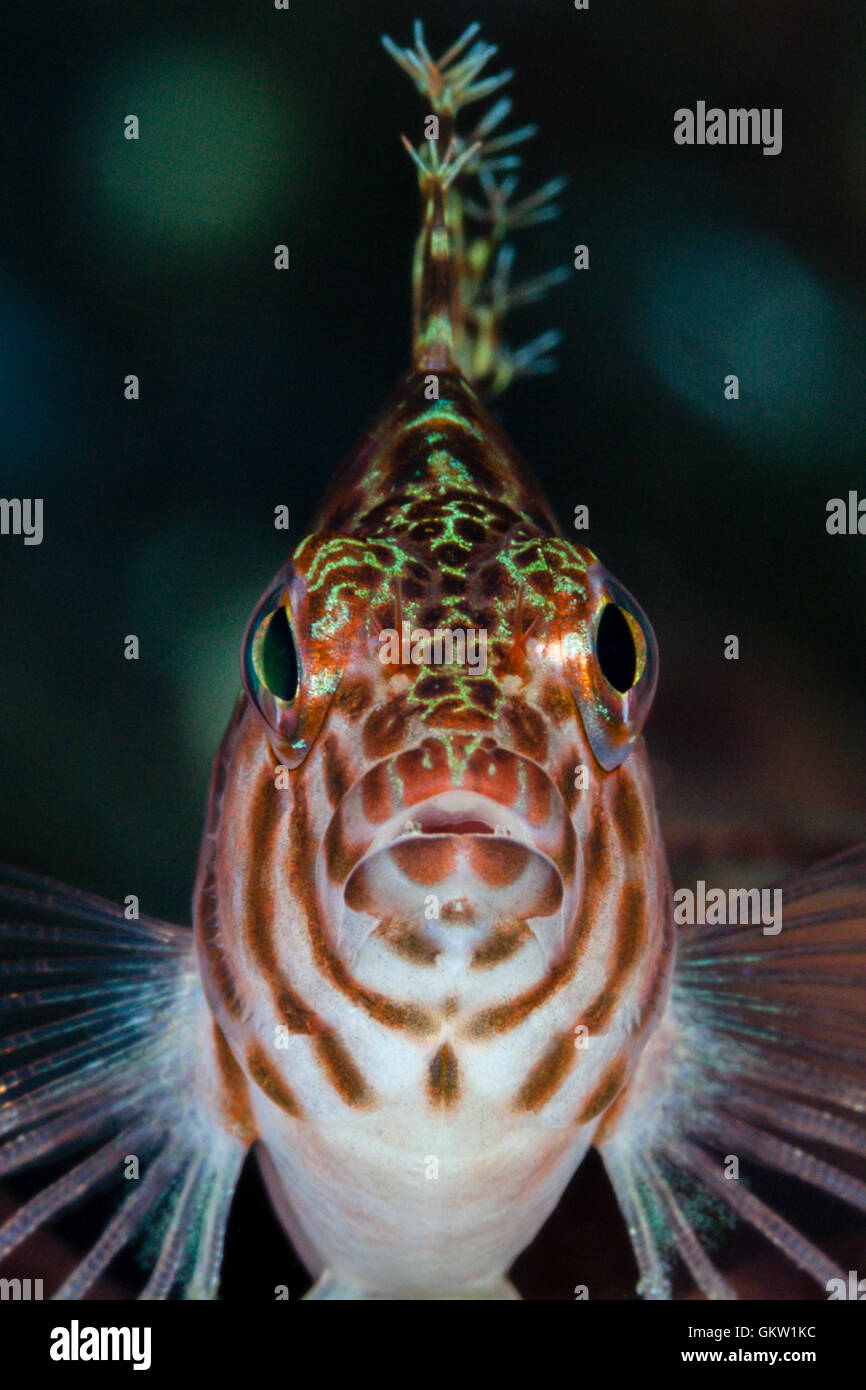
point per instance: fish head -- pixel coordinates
(458, 713)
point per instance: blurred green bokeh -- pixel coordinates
(217, 148)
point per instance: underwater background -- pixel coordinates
(156, 257)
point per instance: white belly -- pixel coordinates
(414, 1205)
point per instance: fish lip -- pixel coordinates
(454, 812)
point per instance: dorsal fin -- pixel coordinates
(461, 288)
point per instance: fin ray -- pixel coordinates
(100, 1060)
(761, 1054)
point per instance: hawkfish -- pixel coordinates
(435, 958)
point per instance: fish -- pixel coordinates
(435, 957)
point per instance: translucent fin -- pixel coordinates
(460, 284)
(102, 1024)
(757, 1069)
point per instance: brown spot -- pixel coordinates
(234, 1096)
(376, 793)
(526, 557)
(567, 790)
(317, 601)
(598, 851)
(356, 577)
(358, 893)
(383, 554)
(418, 509)
(469, 451)
(598, 1014)
(409, 942)
(457, 912)
(426, 859)
(353, 696)
(528, 729)
(541, 581)
(548, 1074)
(630, 931)
(425, 531)
(433, 616)
(450, 555)
(502, 943)
(337, 779)
(608, 1124)
(443, 1077)
(451, 714)
(493, 772)
(469, 530)
(498, 860)
(385, 729)
(556, 702)
(341, 1071)
(566, 856)
(267, 1077)
(494, 579)
(483, 692)
(430, 686)
(340, 855)
(628, 813)
(537, 795)
(423, 771)
(608, 1088)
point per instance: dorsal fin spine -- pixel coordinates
(461, 289)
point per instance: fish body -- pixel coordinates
(434, 956)
(466, 949)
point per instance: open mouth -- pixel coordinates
(433, 823)
(453, 813)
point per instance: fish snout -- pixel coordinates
(455, 866)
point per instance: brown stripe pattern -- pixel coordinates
(443, 1077)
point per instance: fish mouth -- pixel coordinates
(453, 813)
(453, 866)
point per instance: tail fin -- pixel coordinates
(101, 1060)
(761, 1059)
(461, 288)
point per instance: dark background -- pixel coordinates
(156, 257)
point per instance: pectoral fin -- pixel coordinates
(106, 1062)
(759, 1064)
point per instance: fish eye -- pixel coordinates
(289, 675)
(615, 669)
(616, 647)
(275, 656)
(271, 656)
